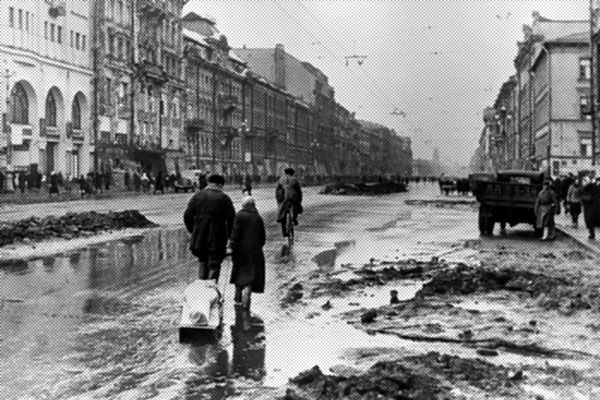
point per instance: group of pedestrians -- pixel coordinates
(577, 195)
(217, 231)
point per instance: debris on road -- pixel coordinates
(429, 376)
(368, 188)
(70, 226)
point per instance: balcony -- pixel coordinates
(153, 71)
(156, 8)
(227, 134)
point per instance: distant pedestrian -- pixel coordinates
(246, 242)
(202, 183)
(546, 206)
(53, 183)
(137, 181)
(247, 185)
(590, 198)
(145, 182)
(82, 186)
(573, 202)
(127, 180)
(159, 183)
(22, 179)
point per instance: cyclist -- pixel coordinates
(288, 194)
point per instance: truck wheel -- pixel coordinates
(489, 225)
(482, 225)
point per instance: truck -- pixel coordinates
(506, 197)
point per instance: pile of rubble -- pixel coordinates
(368, 188)
(70, 225)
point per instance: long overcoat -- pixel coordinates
(247, 240)
(590, 198)
(546, 206)
(209, 218)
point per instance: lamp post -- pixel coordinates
(314, 145)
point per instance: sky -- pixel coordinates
(439, 62)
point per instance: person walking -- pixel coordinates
(209, 218)
(546, 206)
(247, 185)
(159, 183)
(246, 242)
(573, 202)
(288, 193)
(590, 198)
(145, 179)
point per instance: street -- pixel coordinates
(100, 321)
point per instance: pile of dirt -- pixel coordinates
(429, 376)
(462, 280)
(370, 275)
(369, 188)
(70, 225)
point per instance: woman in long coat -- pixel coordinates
(546, 206)
(246, 241)
(590, 198)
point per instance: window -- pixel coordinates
(50, 110)
(83, 42)
(27, 21)
(108, 91)
(77, 36)
(59, 34)
(72, 41)
(584, 68)
(11, 17)
(46, 30)
(585, 107)
(20, 105)
(52, 29)
(20, 19)
(583, 149)
(76, 114)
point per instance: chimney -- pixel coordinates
(279, 65)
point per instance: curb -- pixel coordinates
(585, 243)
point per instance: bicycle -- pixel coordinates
(289, 225)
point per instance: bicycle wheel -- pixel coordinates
(289, 220)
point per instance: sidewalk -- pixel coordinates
(580, 235)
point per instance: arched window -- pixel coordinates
(20, 105)
(50, 110)
(76, 114)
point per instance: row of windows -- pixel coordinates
(19, 19)
(20, 108)
(54, 33)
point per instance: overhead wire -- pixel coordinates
(343, 48)
(386, 102)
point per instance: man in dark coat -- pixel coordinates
(590, 198)
(209, 218)
(288, 194)
(246, 242)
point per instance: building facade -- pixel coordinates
(541, 119)
(46, 90)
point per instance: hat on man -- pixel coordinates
(216, 179)
(289, 171)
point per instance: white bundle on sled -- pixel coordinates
(202, 306)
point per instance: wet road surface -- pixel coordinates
(101, 322)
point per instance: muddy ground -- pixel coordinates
(518, 321)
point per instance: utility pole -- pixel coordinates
(133, 73)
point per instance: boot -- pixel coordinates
(203, 271)
(246, 296)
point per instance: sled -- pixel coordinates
(202, 312)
